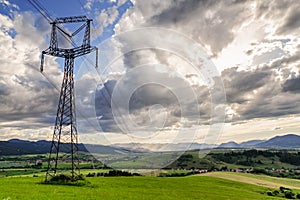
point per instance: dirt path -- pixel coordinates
(270, 182)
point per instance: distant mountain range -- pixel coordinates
(159, 147)
(289, 141)
(21, 147)
(18, 147)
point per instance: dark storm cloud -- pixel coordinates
(286, 12)
(267, 105)
(147, 95)
(42, 97)
(152, 94)
(239, 83)
(271, 8)
(179, 11)
(103, 100)
(284, 61)
(292, 85)
(210, 22)
(3, 89)
(134, 59)
(260, 94)
(291, 22)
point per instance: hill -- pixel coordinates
(22, 147)
(251, 143)
(271, 182)
(281, 142)
(289, 141)
(230, 145)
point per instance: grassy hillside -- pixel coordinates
(193, 187)
(233, 159)
(262, 180)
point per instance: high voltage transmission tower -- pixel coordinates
(64, 146)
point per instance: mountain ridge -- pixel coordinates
(18, 147)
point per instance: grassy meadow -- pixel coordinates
(191, 187)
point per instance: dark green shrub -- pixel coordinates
(282, 189)
(269, 193)
(112, 173)
(63, 179)
(60, 178)
(275, 192)
(289, 195)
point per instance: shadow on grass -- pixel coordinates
(62, 179)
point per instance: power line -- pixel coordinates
(41, 10)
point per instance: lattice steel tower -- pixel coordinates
(64, 146)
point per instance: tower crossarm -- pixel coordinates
(84, 48)
(74, 19)
(66, 53)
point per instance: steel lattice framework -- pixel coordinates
(64, 146)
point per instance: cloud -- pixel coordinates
(292, 85)
(154, 67)
(209, 22)
(154, 92)
(88, 4)
(103, 19)
(264, 87)
(292, 21)
(25, 94)
(106, 14)
(260, 93)
(285, 13)
(9, 5)
(240, 84)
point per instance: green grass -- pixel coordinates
(193, 187)
(19, 172)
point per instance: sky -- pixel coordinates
(169, 71)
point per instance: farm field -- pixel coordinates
(191, 187)
(261, 180)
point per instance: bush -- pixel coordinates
(282, 189)
(275, 192)
(284, 192)
(269, 193)
(289, 195)
(63, 179)
(112, 173)
(259, 171)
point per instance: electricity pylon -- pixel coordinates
(64, 146)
